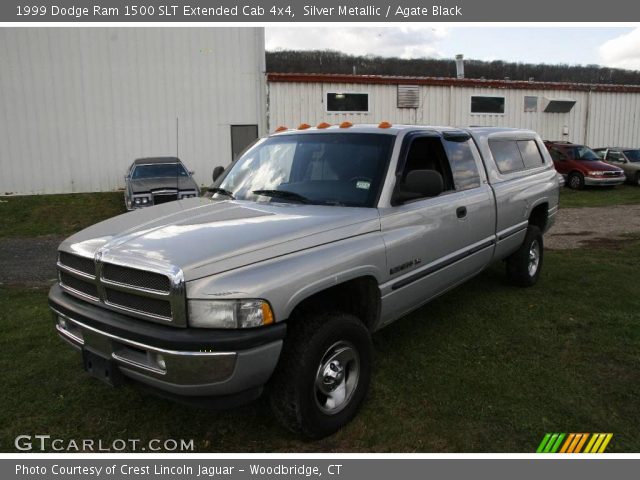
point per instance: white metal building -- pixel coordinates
(78, 105)
(597, 115)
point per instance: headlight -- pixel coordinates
(141, 200)
(596, 173)
(229, 313)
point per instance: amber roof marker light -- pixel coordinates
(323, 125)
(281, 128)
(346, 125)
(303, 126)
(384, 125)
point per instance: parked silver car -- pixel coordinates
(156, 180)
(628, 159)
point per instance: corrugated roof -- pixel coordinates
(446, 82)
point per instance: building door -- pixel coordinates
(241, 137)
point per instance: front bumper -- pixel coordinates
(604, 181)
(179, 361)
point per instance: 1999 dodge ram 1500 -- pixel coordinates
(312, 240)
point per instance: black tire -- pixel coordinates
(637, 179)
(294, 395)
(575, 181)
(522, 269)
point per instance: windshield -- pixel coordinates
(324, 169)
(582, 153)
(632, 155)
(159, 170)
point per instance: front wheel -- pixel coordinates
(576, 181)
(324, 374)
(524, 266)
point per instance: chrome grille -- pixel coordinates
(609, 173)
(164, 198)
(81, 264)
(86, 287)
(154, 306)
(136, 278)
(157, 296)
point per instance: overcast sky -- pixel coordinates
(609, 46)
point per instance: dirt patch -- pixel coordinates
(599, 227)
(29, 261)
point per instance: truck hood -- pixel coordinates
(203, 237)
(146, 185)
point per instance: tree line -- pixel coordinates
(329, 61)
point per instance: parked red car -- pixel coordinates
(580, 166)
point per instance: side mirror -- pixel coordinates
(420, 184)
(217, 172)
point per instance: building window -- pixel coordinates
(530, 104)
(487, 104)
(347, 102)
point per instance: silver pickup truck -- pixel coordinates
(311, 241)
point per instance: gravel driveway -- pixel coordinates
(31, 261)
(593, 226)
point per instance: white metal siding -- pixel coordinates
(611, 118)
(78, 105)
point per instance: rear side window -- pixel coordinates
(463, 164)
(507, 155)
(512, 155)
(530, 153)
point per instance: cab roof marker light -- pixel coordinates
(281, 128)
(303, 126)
(384, 125)
(323, 125)
(346, 125)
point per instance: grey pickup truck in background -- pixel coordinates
(312, 240)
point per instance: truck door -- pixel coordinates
(435, 243)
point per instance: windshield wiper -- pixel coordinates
(296, 197)
(221, 191)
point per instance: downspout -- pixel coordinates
(587, 119)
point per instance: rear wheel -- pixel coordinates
(524, 266)
(637, 179)
(323, 375)
(576, 181)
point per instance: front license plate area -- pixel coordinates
(102, 368)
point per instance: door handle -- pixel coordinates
(461, 212)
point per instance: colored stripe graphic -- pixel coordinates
(574, 443)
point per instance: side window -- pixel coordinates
(556, 154)
(530, 153)
(463, 164)
(507, 155)
(427, 153)
(615, 156)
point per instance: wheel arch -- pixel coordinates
(359, 296)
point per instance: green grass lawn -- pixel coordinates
(599, 197)
(35, 215)
(485, 368)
